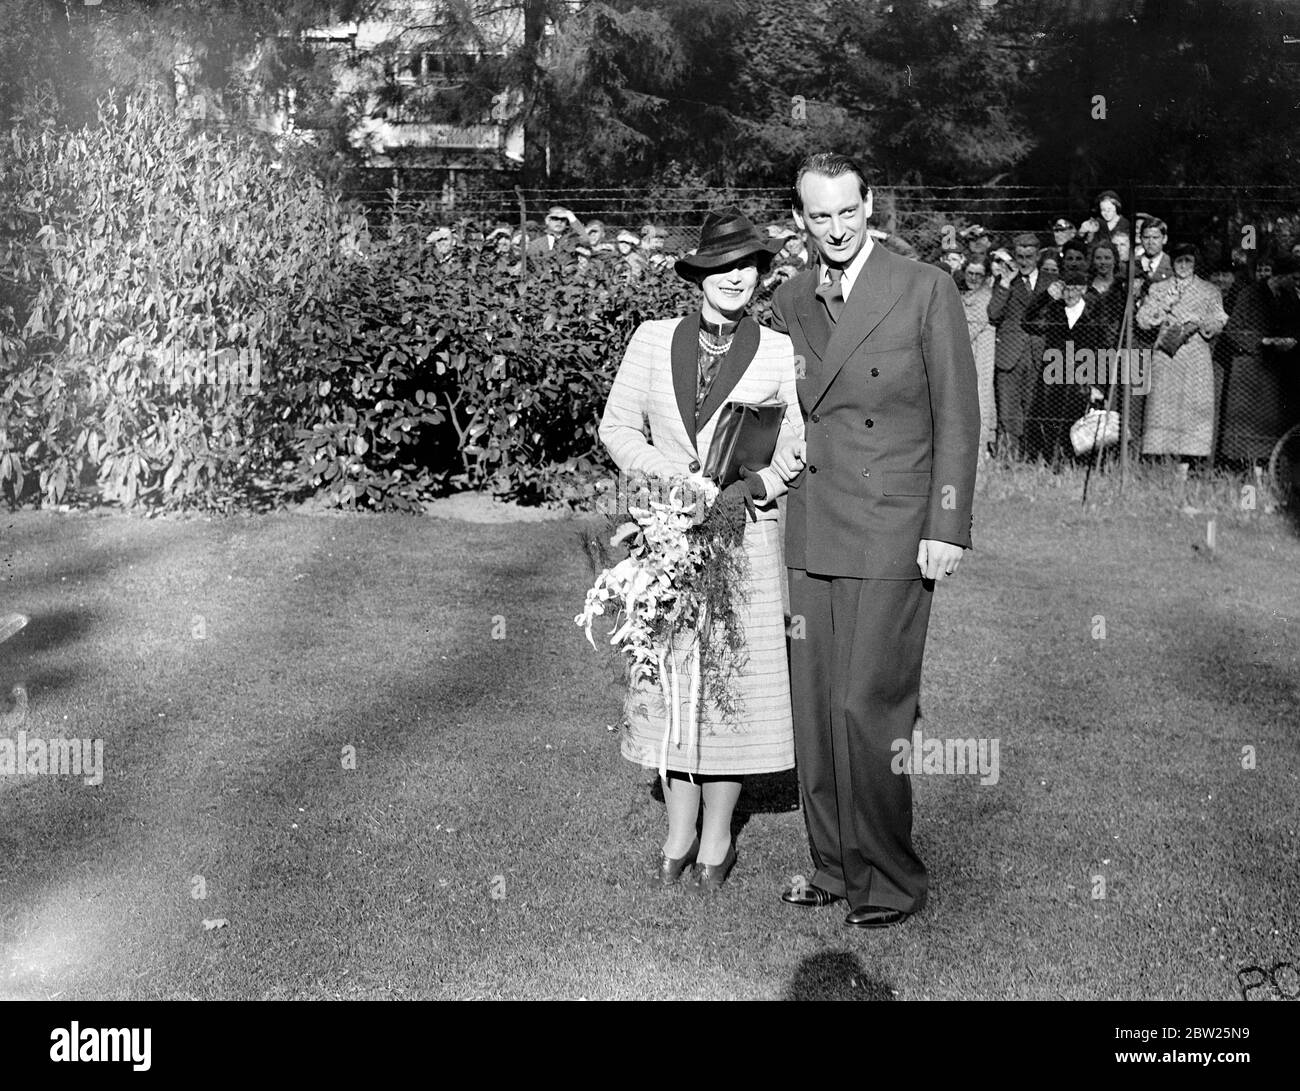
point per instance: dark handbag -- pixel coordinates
(1174, 336)
(745, 436)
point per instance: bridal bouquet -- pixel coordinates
(674, 603)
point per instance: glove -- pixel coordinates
(749, 488)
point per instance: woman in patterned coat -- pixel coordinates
(1188, 312)
(975, 298)
(676, 374)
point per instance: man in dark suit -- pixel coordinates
(1017, 354)
(1153, 263)
(879, 509)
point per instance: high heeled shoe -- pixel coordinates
(708, 878)
(671, 868)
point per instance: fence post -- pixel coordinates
(523, 236)
(1129, 318)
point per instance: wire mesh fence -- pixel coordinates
(1210, 354)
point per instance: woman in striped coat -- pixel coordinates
(676, 374)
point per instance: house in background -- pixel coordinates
(395, 70)
(390, 75)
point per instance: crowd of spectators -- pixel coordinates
(1214, 376)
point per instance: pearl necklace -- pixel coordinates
(717, 344)
(719, 349)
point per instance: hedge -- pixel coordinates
(191, 319)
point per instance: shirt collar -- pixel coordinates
(852, 270)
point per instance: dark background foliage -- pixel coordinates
(148, 261)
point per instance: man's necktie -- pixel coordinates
(832, 294)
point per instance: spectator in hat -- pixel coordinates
(790, 259)
(795, 252)
(1187, 313)
(595, 232)
(978, 241)
(1062, 232)
(1112, 223)
(1065, 383)
(562, 232)
(629, 252)
(499, 239)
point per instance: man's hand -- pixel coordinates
(1056, 290)
(938, 559)
(789, 459)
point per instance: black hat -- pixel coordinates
(1111, 195)
(1076, 279)
(1184, 250)
(726, 237)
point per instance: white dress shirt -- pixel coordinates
(850, 275)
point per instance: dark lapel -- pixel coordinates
(738, 358)
(686, 369)
(874, 294)
(809, 311)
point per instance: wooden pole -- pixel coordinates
(1125, 419)
(523, 235)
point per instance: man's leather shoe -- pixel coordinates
(874, 916)
(809, 895)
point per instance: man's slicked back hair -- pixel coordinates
(832, 165)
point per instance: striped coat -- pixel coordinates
(655, 385)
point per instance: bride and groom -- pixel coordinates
(876, 456)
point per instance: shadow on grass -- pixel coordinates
(1226, 662)
(47, 630)
(834, 975)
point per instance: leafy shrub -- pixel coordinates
(154, 273)
(459, 373)
(193, 320)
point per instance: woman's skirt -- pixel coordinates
(761, 738)
(1180, 405)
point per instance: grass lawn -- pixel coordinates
(491, 842)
